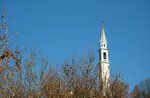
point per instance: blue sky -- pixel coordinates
(62, 28)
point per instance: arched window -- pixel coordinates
(104, 55)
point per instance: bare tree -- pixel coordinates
(136, 92)
(142, 90)
(3, 32)
(118, 88)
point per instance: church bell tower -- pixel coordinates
(103, 58)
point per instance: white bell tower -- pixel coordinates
(103, 59)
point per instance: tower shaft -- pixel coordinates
(103, 59)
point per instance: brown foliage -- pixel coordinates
(29, 75)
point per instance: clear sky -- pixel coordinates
(62, 28)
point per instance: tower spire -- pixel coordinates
(102, 35)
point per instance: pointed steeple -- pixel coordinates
(102, 35)
(104, 61)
